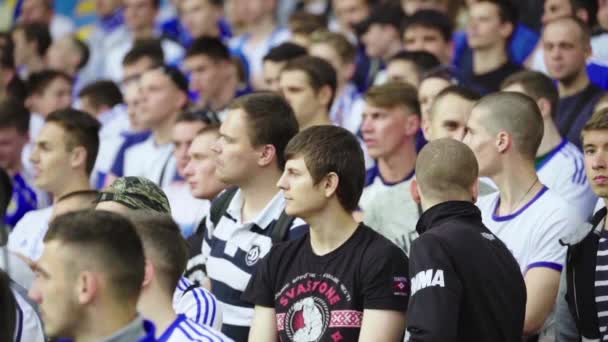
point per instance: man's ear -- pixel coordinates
(330, 184)
(475, 191)
(267, 154)
(325, 96)
(503, 141)
(78, 157)
(86, 286)
(415, 191)
(149, 273)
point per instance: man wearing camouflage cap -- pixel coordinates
(127, 195)
(133, 193)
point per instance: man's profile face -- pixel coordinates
(160, 98)
(428, 90)
(385, 129)
(595, 149)
(302, 196)
(235, 156)
(57, 95)
(481, 141)
(200, 170)
(54, 290)
(206, 75)
(272, 71)
(51, 158)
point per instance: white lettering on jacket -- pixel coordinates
(428, 278)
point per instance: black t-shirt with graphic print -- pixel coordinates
(322, 298)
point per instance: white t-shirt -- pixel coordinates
(186, 210)
(27, 236)
(532, 233)
(255, 53)
(152, 161)
(36, 123)
(390, 209)
(563, 171)
(347, 109)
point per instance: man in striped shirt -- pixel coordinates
(166, 256)
(582, 307)
(249, 155)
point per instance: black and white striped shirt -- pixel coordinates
(232, 251)
(601, 285)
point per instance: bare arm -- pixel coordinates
(542, 284)
(264, 326)
(392, 323)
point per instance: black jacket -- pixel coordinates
(580, 277)
(465, 284)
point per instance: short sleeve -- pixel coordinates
(385, 279)
(547, 251)
(260, 290)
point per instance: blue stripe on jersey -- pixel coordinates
(546, 264)
(198, 307)
(203, 330)
(182, 284)
(228, 295)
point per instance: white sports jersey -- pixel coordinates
(198, 304)
(563, 171)
(29, 325)
(186, 210)
(152, 161)
(347, 109)
(185, 330)
(532, 233)
(27, 236)
(389, 208)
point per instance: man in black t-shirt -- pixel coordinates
(465, 284)
(342, 281)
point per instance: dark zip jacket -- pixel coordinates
(465, 283)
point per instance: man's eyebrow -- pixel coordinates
(36, 268)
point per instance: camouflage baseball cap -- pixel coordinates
(137, 193)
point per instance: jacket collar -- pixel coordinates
(447, 210)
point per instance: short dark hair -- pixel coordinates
(13, 114)
(37, 32)
(285, 52)
(536, 85)
(327, 149)
(318, 71)
(455, 90)
(431, 19)
(107, 242)
(393, 94)
(271, 120)
(81, 129)
(102, 93)
(163, 244)
(209, 46)
(150, 48)
(191, 116)
(424, 61)
(519, 115)
(39, 81)
(175, 76)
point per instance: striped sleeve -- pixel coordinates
(198, 304)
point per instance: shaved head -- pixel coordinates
(518, 115)
(446, 169)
